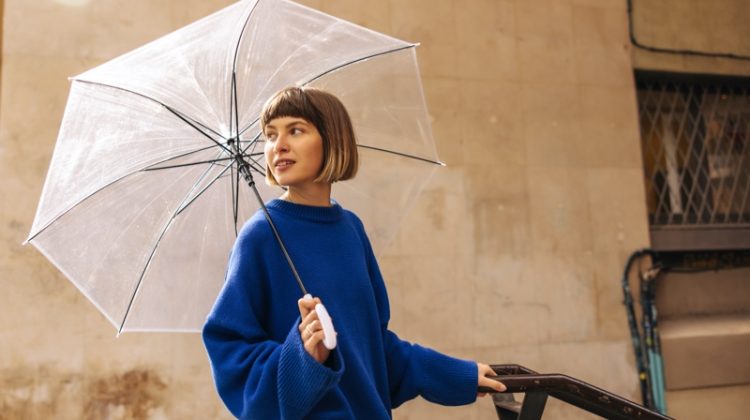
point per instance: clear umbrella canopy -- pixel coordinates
(144, 197)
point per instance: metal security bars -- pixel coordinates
(694, 136)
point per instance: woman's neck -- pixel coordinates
(318, 194)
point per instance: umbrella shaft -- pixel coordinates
(245, 171)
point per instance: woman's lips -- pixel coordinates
(283, 164)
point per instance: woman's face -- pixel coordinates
(294, 151)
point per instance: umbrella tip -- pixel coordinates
(442, 163)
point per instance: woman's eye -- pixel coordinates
(270, 136)
(296, 131)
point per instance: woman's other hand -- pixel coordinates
(484, 372)
(311, 330)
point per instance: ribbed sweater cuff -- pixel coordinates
(302, 380)
(451, 381)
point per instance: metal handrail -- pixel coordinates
(583, 395)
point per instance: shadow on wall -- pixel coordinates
(135, 394)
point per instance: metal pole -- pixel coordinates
(245, 171)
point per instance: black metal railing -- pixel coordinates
(538, 387)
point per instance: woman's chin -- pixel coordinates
(283, 180)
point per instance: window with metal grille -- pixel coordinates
(694, 137)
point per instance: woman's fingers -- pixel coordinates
(306, 327)
(309, 317)
(311, 330)
(483, 380)
(307, 305)
(312, 341)
(314, 346)
(491, 383)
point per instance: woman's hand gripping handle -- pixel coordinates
(316, 328)
(486, 385)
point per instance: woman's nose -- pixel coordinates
(280, 145)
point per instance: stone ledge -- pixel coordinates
(706, 351)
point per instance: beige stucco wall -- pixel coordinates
(695, 25)
(512, 255)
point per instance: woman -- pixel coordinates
(265, 344)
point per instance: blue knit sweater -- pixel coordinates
(259, 364)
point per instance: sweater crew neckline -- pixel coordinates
(330, 214)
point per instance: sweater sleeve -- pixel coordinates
(414, 370)
(255, 376)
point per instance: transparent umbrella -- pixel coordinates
(159, 158)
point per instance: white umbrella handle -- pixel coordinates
(329, 333)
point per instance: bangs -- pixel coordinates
(290, 102)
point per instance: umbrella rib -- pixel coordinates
(192, 123)
(233, 93)
(252, 142)
(406, 155)
(182, 155)
(235, 198)
(186, 205)
(54, 219)
(239, 38)
(182, 165)
(181, 207)
(255, 165)
(234, 126)
(340, 66)
(357, 60)
(246, 141)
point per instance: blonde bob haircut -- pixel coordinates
(330, 118)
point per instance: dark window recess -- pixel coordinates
(696, 156)
(699, 261)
